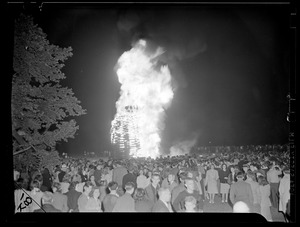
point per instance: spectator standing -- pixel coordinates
(21, 193)
(251, 179)
(36, 194)
(126, 203)
(241, 191)
(224, 189)
(211, 180)
(129, 177)
(284, 191)
(265, 202)
(110, 199)
(169, 182)
(73, 196)
(141, 180)
(151, 189)
(273, 179)
(118, 173)
(46, 202)
(179, 188)
(94, 203)
(141, 203)
(60, 201)
(163, 203)
(84, 197)
(178, 204)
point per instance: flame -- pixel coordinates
(145, 94)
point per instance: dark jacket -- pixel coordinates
(129, 177)
(72, 201)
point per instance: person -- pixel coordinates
(94, 203)
(129, 177)
(84, 197)
(179, 188)
(211, 181)
(273, 179)
(46, 202)
(224, 186)
(284, 191)
(178, 204)
(163, 203)
(47, 180)
(232, 175)
(103, 189)
(169, 182)
(190, 204)
(92, 180)
(240, 207)
(241, 191)
(60, 201)
(62, 172)
(21, 195)
(251, 179)
(126, 203)
(141, 180)
(110, 199)
(151, 189)
(97, 174)
(118, 173)
(72, 197)
(265, 202)
(141, 203)
(36, 195)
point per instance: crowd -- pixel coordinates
(260, 178)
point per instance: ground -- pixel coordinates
(218, 206)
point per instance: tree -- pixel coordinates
(42, 109)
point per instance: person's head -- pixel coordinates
(129, 187)
(56, 187)
(141, 172)
(189, 184)
(35, 185)
(190, 203)
(239, 176)
(251, 175)
(262, 180)
(87, 187)
(286, 170)
(212, 166)
(112, 186)
(47, 198)
(92, 178)
(95, 192)
(241, 207)
(99, 167)
(232, 169)
(164, 194)
(155, 179)
(73, 185)
(245, 168)
(139, 194)
(22, 183)
(171, 177)
(224, 167)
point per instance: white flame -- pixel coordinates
(145, 92)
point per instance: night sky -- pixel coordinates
(230, 68)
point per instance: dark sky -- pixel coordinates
(230, 68)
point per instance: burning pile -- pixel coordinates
(145, 93)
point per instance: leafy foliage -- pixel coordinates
(42, 109)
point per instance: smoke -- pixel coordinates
(185, 146)
(170, 29)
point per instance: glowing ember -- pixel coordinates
(145, 92)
